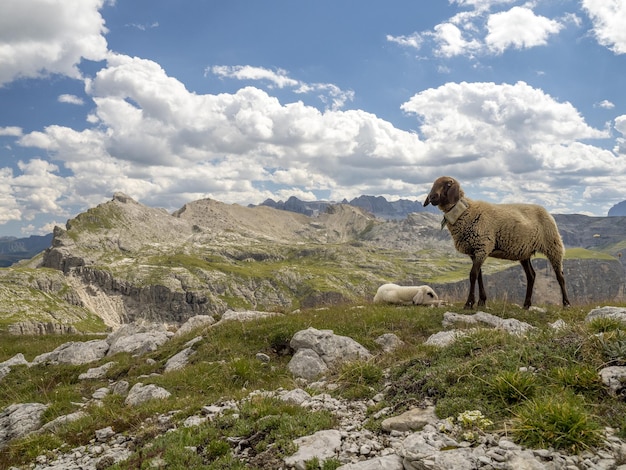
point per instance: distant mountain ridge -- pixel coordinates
(13, 249)
(618, 210)
(376, 205)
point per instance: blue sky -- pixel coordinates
(241, 100)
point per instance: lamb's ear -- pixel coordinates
(427, 201)
(453, 195)
(418, 298)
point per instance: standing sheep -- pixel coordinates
(507, 231)
(416, 295)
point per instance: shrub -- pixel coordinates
(513, 387)
(559, 421)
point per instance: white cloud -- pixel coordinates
(163, 145)
(153, 138)
(609, 20)
(11, 131)
(71, 99)
(519, 28)
(620, 142)
(480, 131)
(39, 37)
(450, 41)
(479, 31)
(331, 95)
(606, 104)
(414, 40)
(246, 72)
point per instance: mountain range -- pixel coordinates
(122, 261)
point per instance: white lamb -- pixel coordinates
(405, 295)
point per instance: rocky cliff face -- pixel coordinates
(122, 261)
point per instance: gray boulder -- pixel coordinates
(322, 445)
(96, 372)
(331, 348)
(141, 393)
(5, 367)
(412, 420)
(75, 353)
(307, 364)
(388, 462)
(179, 360)
(19, 420)
(614, 377)
(510, 325)
(389, 342)
(138, 343)
(194, 322)
(616, 313)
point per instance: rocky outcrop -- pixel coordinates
(587, 280)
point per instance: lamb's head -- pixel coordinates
(425, 296)
(445, 193)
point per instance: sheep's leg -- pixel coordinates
(475, 274)
(557, 265)
(482, 295)
(530, 281)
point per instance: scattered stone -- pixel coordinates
(614, 377)
(19, 420)
(307, 364)
(193, 323)
(616, 313)
(246, 315)
(511, 325)
(389, 342)
(322, 445)
(388, 462)
(141, 393)
(179, 360)
(75, 353)
(412, 420)
(444, 338)
(139, 343)
(96, 372)
(264, 358)
(53, 425)
(332, 349)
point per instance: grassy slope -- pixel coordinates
(565, 385)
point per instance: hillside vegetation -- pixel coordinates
(530, 387)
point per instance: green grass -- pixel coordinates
(509, 380)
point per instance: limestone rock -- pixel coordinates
(617, 313)
(194, 322)
(138, 343)
(96, 372)
(412, 420)
(141, 393)
(19, 420)
(387, 462)
(332, 349)
(389, 342)
(307, 364)
(322, 445)
(179, 360)
(614, 378)
(75, 353)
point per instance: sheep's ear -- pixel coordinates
(453, 193)
(427, 201)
